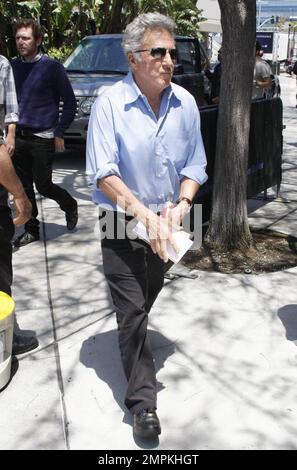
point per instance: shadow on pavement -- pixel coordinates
(101, 353)
(288, 317)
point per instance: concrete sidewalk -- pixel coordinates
(224, 345)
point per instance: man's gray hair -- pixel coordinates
(134, 32)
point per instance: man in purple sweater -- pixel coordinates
(41, 83)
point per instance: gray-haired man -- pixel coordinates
(144, 149)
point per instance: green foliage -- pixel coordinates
(293, 26)
(33, 7)
(184, 12)
(60, 54)
(66, 22)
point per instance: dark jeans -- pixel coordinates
(135, 276)
(33, 160)
(6, 235)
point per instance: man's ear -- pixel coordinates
(132, 60)
(38, 41)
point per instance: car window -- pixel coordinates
(98, 55)
(186, 55)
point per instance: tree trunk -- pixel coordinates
(112, 22)
(3, 47)
(229, 221)
(48, 16)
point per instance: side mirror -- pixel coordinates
(178, 69)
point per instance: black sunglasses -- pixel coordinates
(160, 52)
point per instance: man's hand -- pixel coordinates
(59, 144)
(176, 214)
(10, 144)
(23, 209)
(159, 230)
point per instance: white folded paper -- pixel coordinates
(181, 238)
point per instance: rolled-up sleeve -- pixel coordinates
(196, 162)
(102, 156)
(11, 104)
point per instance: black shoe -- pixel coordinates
(146, 424)
(25, 239)
(22, 344)
(71, 218)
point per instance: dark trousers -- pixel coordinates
(6, 235)
(135, 276)
(33, 161)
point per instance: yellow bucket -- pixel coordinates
(6, 335)
(6, 305)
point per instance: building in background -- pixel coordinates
(276, 23)
(286, 9)
(278, 20)
(211, 27)
(212, 14)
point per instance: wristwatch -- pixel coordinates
(188, 200)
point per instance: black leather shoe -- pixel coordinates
(71, 218)
(22, 344)
(25, 239)
(146, 424)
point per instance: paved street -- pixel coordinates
(224, 345)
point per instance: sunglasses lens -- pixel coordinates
(173, 54)
(160, 53)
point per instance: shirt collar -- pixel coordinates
(36, 58)
(132, 92)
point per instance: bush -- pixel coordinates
(59, 54)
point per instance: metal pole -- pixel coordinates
(288, 48)
(276, 34)
(259, 16)
(293, 46)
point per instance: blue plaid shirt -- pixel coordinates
(8, 98)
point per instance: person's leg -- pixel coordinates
(135, 277)
(6, 235)
(23, 163)
(21, 343)
(155, 275)
(43, 157)
(125, 270)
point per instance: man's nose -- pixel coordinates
(167, 59)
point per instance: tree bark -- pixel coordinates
(112, 23)
(3, 47)
(48, 16)
(229, 221)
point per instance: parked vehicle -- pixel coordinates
(99, 62)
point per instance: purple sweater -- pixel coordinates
(40, 86)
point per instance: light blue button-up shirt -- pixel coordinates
(151, 155)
